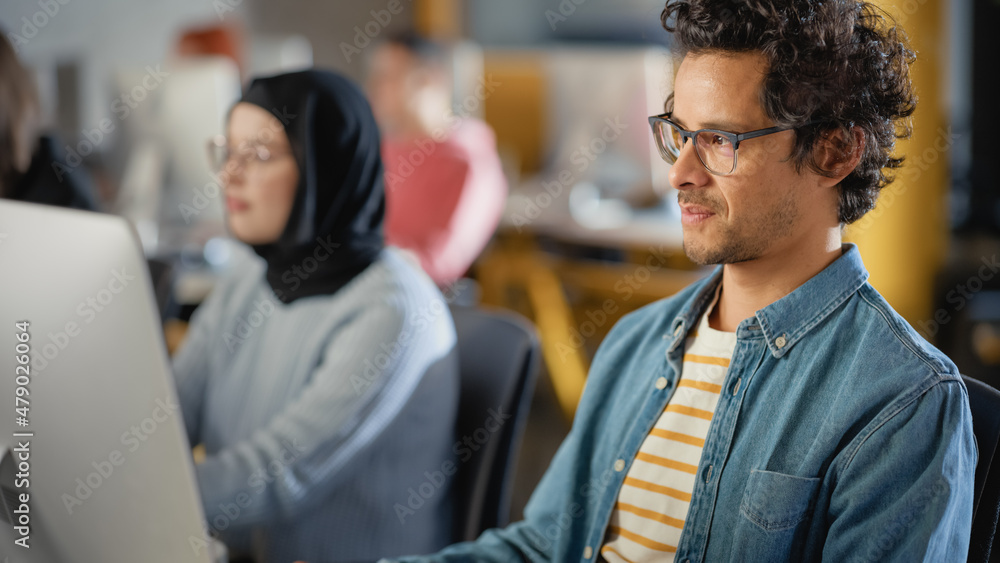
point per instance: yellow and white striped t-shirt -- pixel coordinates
(653, 503)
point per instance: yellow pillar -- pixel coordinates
(905, 238)
(440, 19)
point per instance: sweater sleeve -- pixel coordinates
(368, 371)
(192, 363)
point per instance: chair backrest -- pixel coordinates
(161, 273)
(985, 404)
(499, 359)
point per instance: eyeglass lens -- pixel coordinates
(714, 150)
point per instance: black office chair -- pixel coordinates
(498, 356)
(161, 274)
(985, 404)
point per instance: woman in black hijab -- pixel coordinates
(320, 375)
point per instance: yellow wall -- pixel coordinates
(904, 239)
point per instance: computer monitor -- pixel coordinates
(95, 464)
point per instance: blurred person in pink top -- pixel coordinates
(445, 187)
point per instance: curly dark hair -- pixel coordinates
(839, 64)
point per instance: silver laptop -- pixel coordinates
(94, 461)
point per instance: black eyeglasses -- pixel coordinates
(716, 149)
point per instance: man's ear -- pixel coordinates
(838, 152)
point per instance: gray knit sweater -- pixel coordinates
(321, 417)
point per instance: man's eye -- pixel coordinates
(720, 141)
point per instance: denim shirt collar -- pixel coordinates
(784, 322)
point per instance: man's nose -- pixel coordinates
(688, 172)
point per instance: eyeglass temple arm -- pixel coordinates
(761, 132)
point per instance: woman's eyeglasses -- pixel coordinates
(220, 153)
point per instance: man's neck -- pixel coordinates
(750, 286)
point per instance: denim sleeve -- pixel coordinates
(904, 489)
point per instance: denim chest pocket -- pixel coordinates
(774, 514)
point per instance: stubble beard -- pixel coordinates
(746, 240)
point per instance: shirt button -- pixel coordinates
(661, 383)
(619, 465)
(588, 552)
(780, 341)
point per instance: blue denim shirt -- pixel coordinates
(840, 435)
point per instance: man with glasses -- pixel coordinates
(779, 410)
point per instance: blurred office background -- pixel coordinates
(590, 231)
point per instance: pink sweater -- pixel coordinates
(444, 198)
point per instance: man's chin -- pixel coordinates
(699, 254)
(705, 256)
